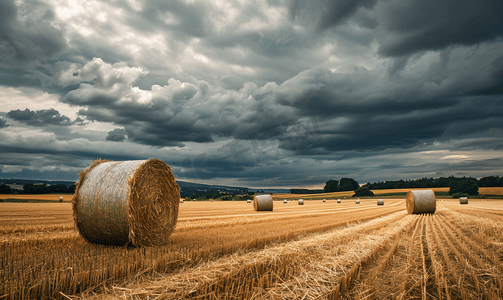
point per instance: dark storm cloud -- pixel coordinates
(327, 13)
(412, 26)
(116, 135)
(3, 123)
(316, 112)
(26, 32)
(41, 117)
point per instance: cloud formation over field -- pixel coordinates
(250, 93)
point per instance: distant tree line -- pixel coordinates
(39, 189)
(221, 196)
(490, 181)
(305, 191)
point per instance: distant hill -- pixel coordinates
(187, 188)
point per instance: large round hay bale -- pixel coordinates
(262, 203)
(248, 201)
(324, 200)
(126, 202)
(301, 201)
(61, 199)
(357, 201)
(285, 201)
(338, 200)
(380, 201)
(463, 200)
(421, 201)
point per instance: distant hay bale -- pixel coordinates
(463, 200)
(262, 203)
(357, 201)
(324, 200)
(380, 201)
(248, 201)
(181, 200)
(301, 201)
(126, 202)
(421, 201)
(285, 201)
(338, 200)
(60, 199)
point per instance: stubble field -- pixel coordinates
(226, 250)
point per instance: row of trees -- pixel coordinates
(39, 189)
(490, 181)
(222, 196)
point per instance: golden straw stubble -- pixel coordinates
(128, 202)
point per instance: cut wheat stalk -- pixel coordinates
(436, 265)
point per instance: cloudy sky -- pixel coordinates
(256, 93)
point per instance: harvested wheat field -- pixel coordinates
(227, 250)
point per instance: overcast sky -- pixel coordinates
(265, 93)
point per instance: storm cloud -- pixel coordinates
(41, 117)
(250, 93)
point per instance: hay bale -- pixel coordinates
(285, 201)
(181, 200)
(338, 200)
(380, 201)
(421, 201)
(357, 201)
(324, 200)
(248, 201)
(60, 199)
(126, 202)
(262, 203)
(301, 201)
(463, 200)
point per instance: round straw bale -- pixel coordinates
(358, 201)
(262, 203)
(338, 200)
(421, 201)
(126, 202)
(248, 201)
(463, 200)
(285, 201)
(61, 199)
(380, 201)
(324, 200)
(301, 201)
(181, 200)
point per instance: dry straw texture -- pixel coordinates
(380, 201)
(421, 201)
(463, 200)
(126, 202)
(262, 203)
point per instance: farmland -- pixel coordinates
(226, 250)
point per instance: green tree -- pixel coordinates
(363, 192)
(467, 186)
(331, 186)
(35, 188)
(348, 184)
(5, 189)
